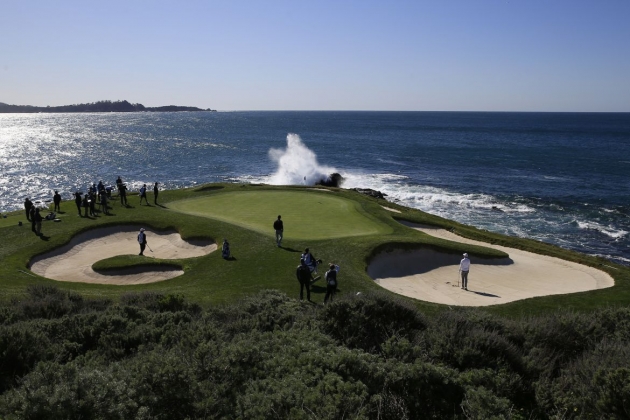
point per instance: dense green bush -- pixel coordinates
(153, 356)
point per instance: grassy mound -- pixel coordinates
(311, 214)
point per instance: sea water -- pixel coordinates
(562, 178)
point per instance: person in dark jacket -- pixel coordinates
(57, 201)
(156, 191)
(303, 275)
(122, 192)
(92, 201)
(331, 282)
(86, 204)
(37, 222)
(78, 201)
(28, 204)
(225, 249)
(32, 219)
(142, 240)
(279, 227)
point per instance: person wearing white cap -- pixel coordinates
(142, 240)
(464, 268)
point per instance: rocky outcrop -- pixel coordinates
(333, 180)
(370, 192)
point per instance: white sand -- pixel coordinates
(432, 276)
(391, 209)
(74, 261)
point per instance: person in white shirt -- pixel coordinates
(464, 268)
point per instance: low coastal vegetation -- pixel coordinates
(373, 356)
(229, 339)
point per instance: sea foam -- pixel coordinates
(297, 164)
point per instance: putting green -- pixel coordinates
(306, 214)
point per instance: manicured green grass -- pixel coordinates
(339, 226)
(309, 214)
(12, 219)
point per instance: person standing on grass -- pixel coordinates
(279, 227)
(155, 193)
(303, 275)
(37, 222)
(28, 204)
(143, 194)
(331, 282)
(142, 240)
(32, 219)
(464, 268)
(57, 201)
(86, 204)
(122, 192)
(92, 201)
(77, 201)
(225, 250)
(104, 203)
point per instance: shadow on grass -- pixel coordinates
(230, 259)
(289, 249)
(43, 237)
(318, 289)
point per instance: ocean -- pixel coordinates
(561, 178)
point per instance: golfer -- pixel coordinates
(464, 268)
(142, 240)
(279, 227)
(225, 250)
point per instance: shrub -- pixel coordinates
(368, 321)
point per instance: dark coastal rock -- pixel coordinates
(370, 192)
(333, 180)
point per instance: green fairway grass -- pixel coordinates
(310, 215)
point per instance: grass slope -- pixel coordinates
(244, 214)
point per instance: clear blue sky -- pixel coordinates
(564, 55)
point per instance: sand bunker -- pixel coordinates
(73, 262)
(433, 276)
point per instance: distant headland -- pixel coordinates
(100, 106)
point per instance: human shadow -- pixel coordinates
(485, 294)
(230, 258)
(43, 237)
(318, 289)
(289, 249)
(160, 205)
